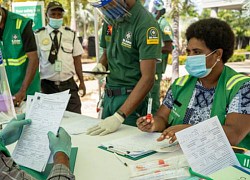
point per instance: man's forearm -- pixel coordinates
(78, 67)
(61, 158)
(61, 169)
(103, 59)
(137, 95)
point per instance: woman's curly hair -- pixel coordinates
(215, 33)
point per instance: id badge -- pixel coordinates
(58, 66)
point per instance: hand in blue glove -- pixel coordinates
(60, 143)
(12, 132)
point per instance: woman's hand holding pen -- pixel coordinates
(145, 124)
(169, 133)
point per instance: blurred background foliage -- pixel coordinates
(180, 14)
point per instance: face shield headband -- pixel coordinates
(112, 10)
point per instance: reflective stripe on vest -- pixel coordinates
(18, 23)
(16, 62)
(234, 80)
(182, 80)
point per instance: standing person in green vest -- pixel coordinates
(19, 51)
(210, 89)
(131, 42)
(158, 12)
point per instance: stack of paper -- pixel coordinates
(169, 168)
(46, 112)
(78, 123)
(140, 144)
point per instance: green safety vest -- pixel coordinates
(228, 85)
(15, 58)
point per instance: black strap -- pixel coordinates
(117, 92)
(54, 48)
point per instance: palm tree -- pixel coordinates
(179, 7)
(175, 53)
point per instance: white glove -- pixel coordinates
(108, 125)
(99, 68)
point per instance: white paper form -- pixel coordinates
(28, 103)
(46, 111)
(206, 147)
(30, 99)
(78, 123)
(137, 145)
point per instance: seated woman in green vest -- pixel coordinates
(210, 89)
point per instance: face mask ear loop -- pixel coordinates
(211, 52)
(215, 63)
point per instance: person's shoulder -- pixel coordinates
(39, 30)
(13, 15)
(143, 17)
(163, 20)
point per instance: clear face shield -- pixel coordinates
(155, 7)
(111, 10)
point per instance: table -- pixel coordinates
(93, 163)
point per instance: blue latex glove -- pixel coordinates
(60, 142)
(12, 132)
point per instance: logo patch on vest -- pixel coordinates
(152, 36)
(108, 33)
(45, 41)
(126, 42)
(15, 40)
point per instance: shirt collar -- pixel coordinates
(133, 12)
(50, 29)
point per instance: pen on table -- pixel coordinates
(149, 111)
(125, 164)
(117, 151)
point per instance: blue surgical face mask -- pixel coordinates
(55, 23)
(196, 65)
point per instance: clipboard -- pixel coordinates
(127, 155)
(195, 174)
(45, 174)
(244, 162)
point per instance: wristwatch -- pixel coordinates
(122, 114)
